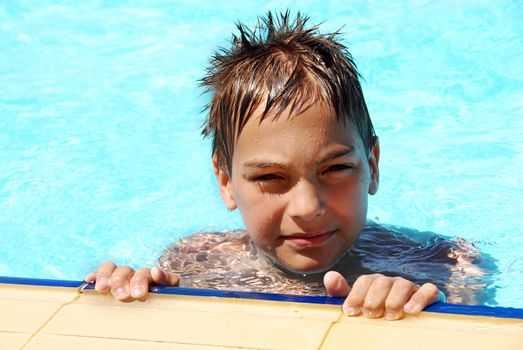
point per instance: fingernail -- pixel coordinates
(136, 292)
(371, 314)
(391, 316)
(410, 306)
(351, 311)
(120, 292)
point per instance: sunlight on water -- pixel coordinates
(101, 155)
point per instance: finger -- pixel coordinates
(425, 295)
(120, 281)
(378, 292)
(140, 283)
(335, 284)
(103, 276)
(354, 302)
(399, 295)
(164, 278)
(91, 277)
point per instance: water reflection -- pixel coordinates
(230, 260)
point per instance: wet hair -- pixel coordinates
(282, 64)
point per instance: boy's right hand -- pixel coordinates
(126, 284)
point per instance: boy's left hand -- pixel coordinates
(378, 295)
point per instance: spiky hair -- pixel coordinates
(282, 64)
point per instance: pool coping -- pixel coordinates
(438, 307)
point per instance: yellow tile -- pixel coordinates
(428, 331)
(226, 305)
(25, 309)
(25, 316)
(37, 293)
(56, 342)
(197, 320)
(184, 322)
(442, 321)
(13, 341)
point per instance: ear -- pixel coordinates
(224, 183)
(374, 158)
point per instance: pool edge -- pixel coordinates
(438, 307)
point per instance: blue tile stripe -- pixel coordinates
(439, 307)
(248, 295)
(40, 282)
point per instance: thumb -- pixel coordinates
(164, 278)
(335, 284)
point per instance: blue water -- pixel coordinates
(101, 156)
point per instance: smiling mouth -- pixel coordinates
(308, 240)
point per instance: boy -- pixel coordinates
(295, 151)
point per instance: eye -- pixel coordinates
(264, 177)
(339, 167)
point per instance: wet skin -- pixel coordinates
(301, 184)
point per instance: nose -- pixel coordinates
(306, 202)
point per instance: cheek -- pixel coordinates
(349, 200)
(261, 214)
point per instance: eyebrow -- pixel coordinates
(337, 154)
(263, 164)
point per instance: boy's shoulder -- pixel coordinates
(207, 249)
(424, 256)
(390, 238)
(230, 260)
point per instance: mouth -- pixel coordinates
(303, 240)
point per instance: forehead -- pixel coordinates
(311, 131)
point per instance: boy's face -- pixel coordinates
(301, 184)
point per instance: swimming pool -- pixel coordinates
(101, 155)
